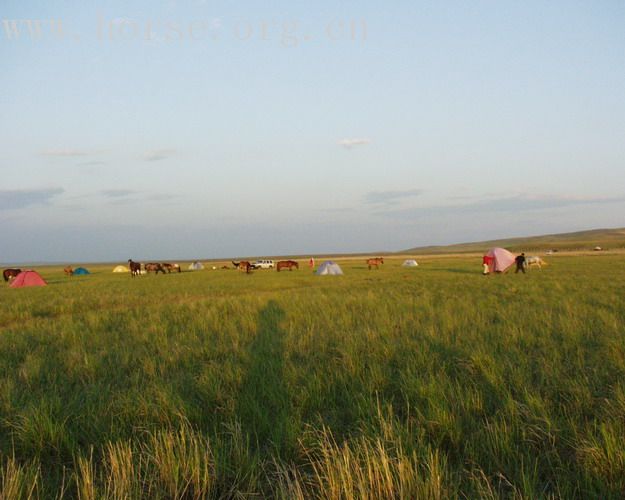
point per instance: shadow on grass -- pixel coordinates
(264, 403)
(458, 271)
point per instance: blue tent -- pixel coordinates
(81, 270)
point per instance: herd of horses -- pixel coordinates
(248, 267)
(166, 267)
(152, 267)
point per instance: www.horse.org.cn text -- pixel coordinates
(287, 33)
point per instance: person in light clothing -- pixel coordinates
(487, 262)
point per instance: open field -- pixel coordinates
(432, 382)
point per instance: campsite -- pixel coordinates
(422, 380)
(312, 251)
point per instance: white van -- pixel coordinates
(263, 264)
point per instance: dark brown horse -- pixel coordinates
(375, 262)
(8, 274)
(154, 266)
(243, 265)
(287, 264)
(135, 268)
(171, 267)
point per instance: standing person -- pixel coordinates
(487, 261)
(311, 263)
(520, 263)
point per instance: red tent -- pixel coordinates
(500, 259)
(27, 278)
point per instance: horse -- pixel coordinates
(154, 266)
(534, 261)
(135, 268)
(68, 271)
(10, 273)
(171, 267)
(287, 264)
(243, 265)
(375, 262)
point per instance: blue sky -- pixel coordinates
(297, 128)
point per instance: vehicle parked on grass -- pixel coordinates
(263, 264)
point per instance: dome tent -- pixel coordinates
(196, 266)
(410, 263)
(27, 278)
(329, 268)
(81, 271)
(501, 259)
(121, 269)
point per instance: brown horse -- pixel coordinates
(243, 265)
(68, 271)
(171, 267)
(375, 262)
(154, 266)
(135, 268)
(287, 264)
(10, 273)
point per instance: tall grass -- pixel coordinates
(434, 382)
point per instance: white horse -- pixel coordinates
(534, 261)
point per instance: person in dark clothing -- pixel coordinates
(520, 263)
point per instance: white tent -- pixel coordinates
(121, 269)
(410, 263)
(196, 266)
(329, 267)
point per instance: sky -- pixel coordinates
(188, 129)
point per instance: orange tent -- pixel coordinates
(27, 278)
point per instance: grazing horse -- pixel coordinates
(68, 271)
(243, 265)
(154, 266)
(135, 268)
(375, 262)
(11, 273)
(534, 261)
(171, 267)
(287, 264)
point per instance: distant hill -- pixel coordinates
(581, 240)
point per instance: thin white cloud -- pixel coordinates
(337, 210)
(158, 154)
(390, 197)
(22, 198)
(160, 197)
(63, 152)
(353, 142)
(93, 163)
(511, 204)
(117, 193)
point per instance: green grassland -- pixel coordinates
(433, 382)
